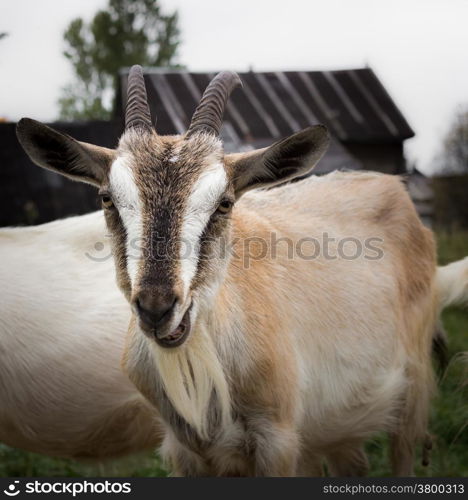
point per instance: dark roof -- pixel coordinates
(352, 103)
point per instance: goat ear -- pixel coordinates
(61, 153)
(282, 161)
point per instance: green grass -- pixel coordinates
(451, 246)
(449, 417)
(17, 463)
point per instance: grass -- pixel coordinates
(449, 417)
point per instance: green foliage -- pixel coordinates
(3, 35)
(125, 33)
(449, 416)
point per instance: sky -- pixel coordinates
(416, 47)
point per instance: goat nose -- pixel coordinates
(154, 308)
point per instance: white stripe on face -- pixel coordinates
(127, 200)
(202, 202)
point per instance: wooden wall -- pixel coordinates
(32, 195)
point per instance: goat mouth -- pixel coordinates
(179, 335)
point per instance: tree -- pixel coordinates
(3, 35)
(454, 158)
(126, 33)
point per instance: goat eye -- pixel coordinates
(224, 207)
(106, 201)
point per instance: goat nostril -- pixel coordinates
(173, 303)
(154, 309)
(138, 305)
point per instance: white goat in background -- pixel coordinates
(62, 325)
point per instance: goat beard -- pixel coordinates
(191, 375)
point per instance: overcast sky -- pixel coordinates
(418, 48)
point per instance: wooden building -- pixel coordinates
(367, 128)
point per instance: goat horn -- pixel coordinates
(137, 113)
(208, 116)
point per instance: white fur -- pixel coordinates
(201, 204)
(62, 331)
(127, 200)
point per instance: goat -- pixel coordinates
(261, 364)
(62, 328)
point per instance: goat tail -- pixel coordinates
(452, 283)
(452, 289)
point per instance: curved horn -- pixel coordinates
(137, 113)
(208, 116)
